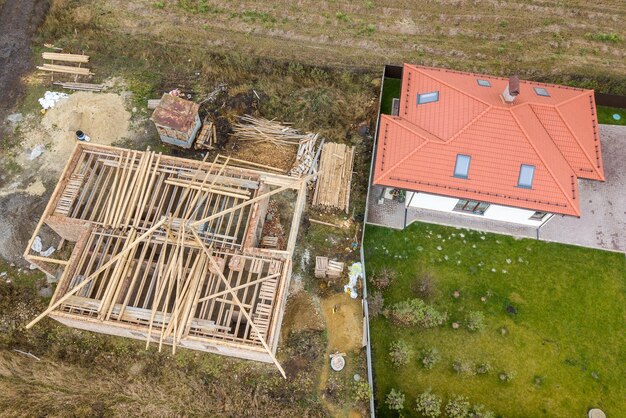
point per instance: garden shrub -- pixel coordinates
(506, 376)
(424, 286)
(376, 304)
(430, 357)
(478, 411)
(360, 391)
(462, 367)
(395, 400)
(383, 278)
(416, 312)
(475, 321)
(483, 368)
(428, 404)
(458, 407)
(399, 353)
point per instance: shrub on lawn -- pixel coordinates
(360, 391)
(383, 278)
(428, 404)
(376, 304)
(475, 321)
(415, 312)
(430, 357)
(478, 411)
(462, 367)
(399, 353)
(483, 368)
(458, 407)
(395, 400)
(424, 286)
(505, 376)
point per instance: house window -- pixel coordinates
(542, 92)
(538, 216)
(428, 97)
(461, 169)
(483, 83)
(471, 206)
(526, 174)
(395, 107)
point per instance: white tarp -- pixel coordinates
(51, 98)
(36, 152)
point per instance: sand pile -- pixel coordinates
(102, 116)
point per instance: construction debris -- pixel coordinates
(169, 251)
(335, 176)
(80, 86)
(207, 136)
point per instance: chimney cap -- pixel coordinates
(514, 85)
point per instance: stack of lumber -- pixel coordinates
(306, 158)
(335, 176)
(53, 57)
(207, 136)
(260, 130)
(327, 268)
(321, 263)
(80, 86)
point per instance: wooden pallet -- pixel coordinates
(207, 136)
(321, 264)
(64, 205)
(269, 242)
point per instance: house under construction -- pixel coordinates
(169, 250)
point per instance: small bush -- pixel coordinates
(430, 357)
(478, 411)
(424, 286)
(605, 37)
(360, 391)
(506, 377)
(395, 400)
(376, 304)
(415, 312)
(483, 368)
(458, 407)
(462, 367)
(383, 278)
(475, 321)
(428, 404)
(399, 353)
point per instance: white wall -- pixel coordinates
(495, 212)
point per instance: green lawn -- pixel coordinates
(391, 90)
(605, 115)
(565, 344)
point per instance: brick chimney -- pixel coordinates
(512, 89)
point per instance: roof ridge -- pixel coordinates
(393, 167)
(571, 131)
(574, 206)
(448, 84)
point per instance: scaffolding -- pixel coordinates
(168, 250)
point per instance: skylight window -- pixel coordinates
(542, 92)
(428, 97)
(526, 175)
(461, 169)
(483, 83)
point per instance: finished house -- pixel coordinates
(489, 147)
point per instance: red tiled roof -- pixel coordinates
(557, 134)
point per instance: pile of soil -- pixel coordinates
(102, 116)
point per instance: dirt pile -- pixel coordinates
(102, 116)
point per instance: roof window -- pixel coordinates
(483, 83)
(526, 175)
(428, 97)
(542, 92)
(461, 169)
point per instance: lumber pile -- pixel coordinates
(306, 157)
(207, 137)
(335, 176)
(325, 268)
(76, 70)
(80, 86)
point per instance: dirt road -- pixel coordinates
(18, 21)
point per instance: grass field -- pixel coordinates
(605, 115)
(391, 90)
(575, 42)
(564, 345)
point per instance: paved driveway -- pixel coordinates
(602, 224)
